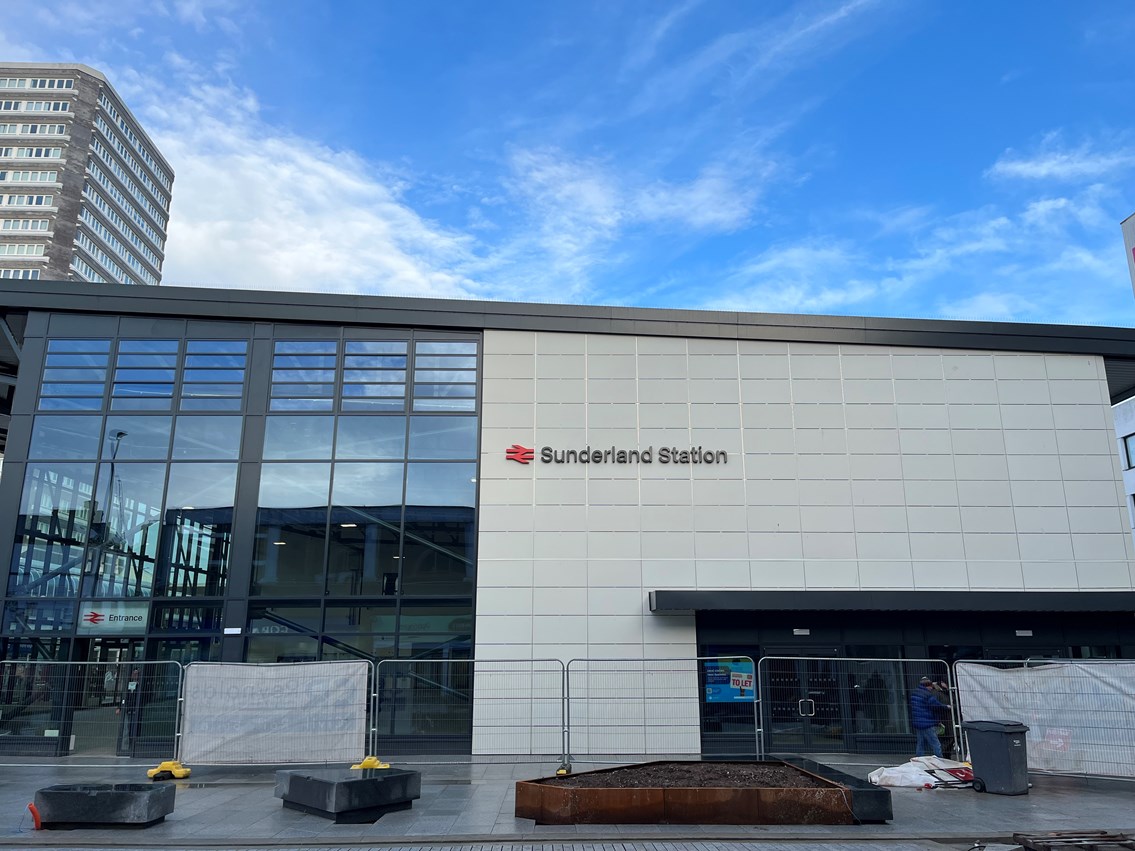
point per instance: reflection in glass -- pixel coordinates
(371, 437)
(297, 437)
(197, 533)
(136, 438)
(206, 438)
(125, 526)
(69, 404)
(450, 619)
(278, 620)
(366, 514)
(355, 619)
(376, 347)
(219, 346)
(52, 530)
(441, 347)
(67, 438)
(291, 529)
(282, 648)
(37, 616)
(438, 547)
(348, 647)
(152, 346)
(78, 345)
(179, 618)
(443, 437)
(186, 650)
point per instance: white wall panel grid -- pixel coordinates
(905, 468)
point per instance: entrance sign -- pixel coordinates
(114, 618)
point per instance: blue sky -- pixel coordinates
(870, 157)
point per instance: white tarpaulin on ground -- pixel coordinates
(920, 772)
(309, 712)
(1081, 715)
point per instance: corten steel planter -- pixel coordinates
(549, 804)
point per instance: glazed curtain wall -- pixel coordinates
(328, 484)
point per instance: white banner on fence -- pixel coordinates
(1081, 716)
(241, 714)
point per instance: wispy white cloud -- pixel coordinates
(645, 44)
(762, 54)
(980, 264)
(1054, 160)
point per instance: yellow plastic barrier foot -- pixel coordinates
(169, 770)
(372, 762)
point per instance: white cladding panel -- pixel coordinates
(849, 467)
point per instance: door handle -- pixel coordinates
(811, 706)
(800, 707)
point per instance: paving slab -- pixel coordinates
(471, 804)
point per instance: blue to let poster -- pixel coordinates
(729, 681)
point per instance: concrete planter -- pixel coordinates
(69, 806)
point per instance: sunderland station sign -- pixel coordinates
(614, 455)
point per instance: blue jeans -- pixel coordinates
(927, 743)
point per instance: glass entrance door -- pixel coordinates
(110, 687)
(801, 704)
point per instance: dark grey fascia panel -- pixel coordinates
(314, 307)
(685, 601)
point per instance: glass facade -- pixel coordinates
(265, 493)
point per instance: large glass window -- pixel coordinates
(197, 530)
(144, 374)
(374, 375)
(291, 530)
(443, 437)
(126, 524)
(207, 438)
(213, 379)
(136, 438)
(74, 375)
(298, 437)
(52, 530)
(371, 437)
(303, 375)
(366, 516)
(438, 548)
(65, 438)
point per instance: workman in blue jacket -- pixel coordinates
(924, 717)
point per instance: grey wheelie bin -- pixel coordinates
(999, 757)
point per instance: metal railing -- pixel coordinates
(849, 705)
(472, 706)
(92, 709)
(661, 707)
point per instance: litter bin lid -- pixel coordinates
(995, 726)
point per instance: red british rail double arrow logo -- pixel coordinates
(520, 454)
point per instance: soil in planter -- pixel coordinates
(691, 774)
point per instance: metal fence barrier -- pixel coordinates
(660, 707)
(847, 705)
(91, 709)
(470, 706)
(278, 713)
(1080, 713)
(595, 710)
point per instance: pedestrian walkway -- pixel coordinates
(464, 804)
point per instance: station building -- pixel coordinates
(197, 474)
